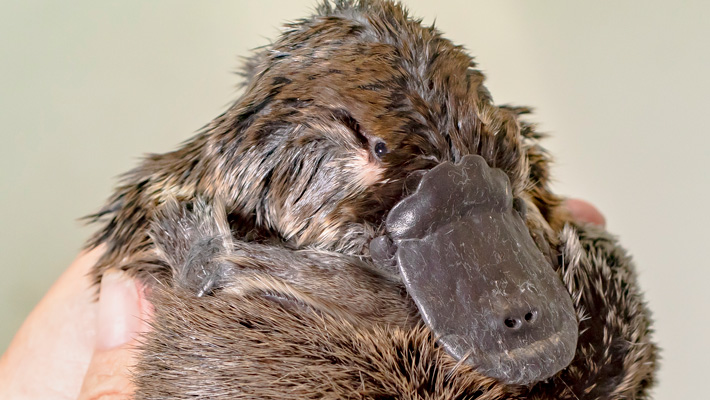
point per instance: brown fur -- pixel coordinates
(245, 345)
(257, 228)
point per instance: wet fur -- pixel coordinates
(255, 231)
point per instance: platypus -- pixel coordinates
(365, 222)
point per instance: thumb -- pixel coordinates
(122, 317)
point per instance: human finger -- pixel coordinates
(122, 316)
(49, 354)
(584, 211)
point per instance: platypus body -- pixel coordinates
(364, 222)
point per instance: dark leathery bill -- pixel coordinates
(480, 282)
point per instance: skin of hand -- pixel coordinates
(584, 211)
(71, 346)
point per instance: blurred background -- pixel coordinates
(623, 89)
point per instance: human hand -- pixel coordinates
(71, 346)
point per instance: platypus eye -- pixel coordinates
(381, 149)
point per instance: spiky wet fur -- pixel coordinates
(255, 232)
(291, 325)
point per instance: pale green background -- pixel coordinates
(86, 87)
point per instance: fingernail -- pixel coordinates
(119, 316)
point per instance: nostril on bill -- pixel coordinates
(512, 323)
(515, 323)
(531, 316)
